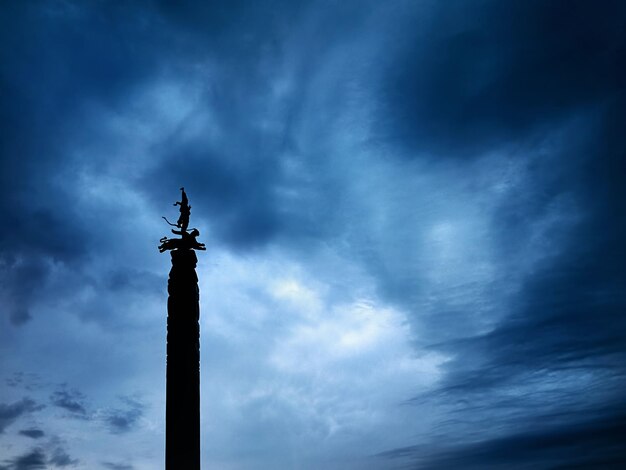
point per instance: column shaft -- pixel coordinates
(182, 415)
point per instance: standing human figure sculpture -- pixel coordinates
(185, 211)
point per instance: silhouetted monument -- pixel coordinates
(182, 406)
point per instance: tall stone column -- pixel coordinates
(182, 402)
(182, 415)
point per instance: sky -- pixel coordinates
(414, 214)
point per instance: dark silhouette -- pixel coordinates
(187, 240)
(182, 406)
(185, 211)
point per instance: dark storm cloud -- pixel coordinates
(42, 224)
(122, 420)
(568, 314)
(56, 60)
(33, 433)
(232, 177)
(117, 466)
(21, 279)
(239, 198)
(493, 73)
(95, 56)
(40, 211)
(132, 280)
(501, 75)
(70, 400)
(584, 444)
(37, 458)
(60, 458)
(9, 413)
(456, 79)
(32, 460)
(235, 169)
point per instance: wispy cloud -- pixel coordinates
(41, 458)
(70, 400)
(60, 458)
(122, 420)
(32, 460)
(32, 433)
(9, 413)
(117, 466)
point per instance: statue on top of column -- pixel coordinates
(188, 237)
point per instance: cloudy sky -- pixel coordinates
(415, 222)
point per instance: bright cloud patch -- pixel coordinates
(315, 371)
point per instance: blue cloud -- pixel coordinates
(9, 413)
(450, 176)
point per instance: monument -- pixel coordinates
(182, 404)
